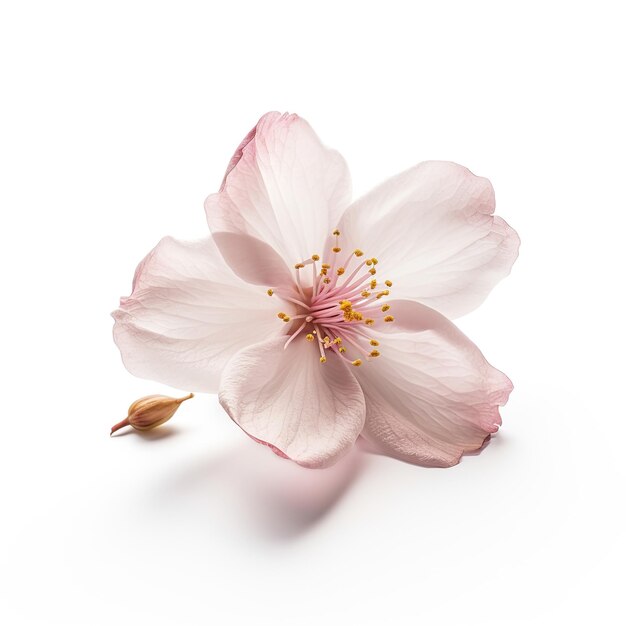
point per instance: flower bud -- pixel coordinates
(150, 411)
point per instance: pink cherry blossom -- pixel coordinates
(286, 309)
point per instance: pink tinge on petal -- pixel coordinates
(431, 396)
(309, 412)
(239, 151)
(188, 314)
(433, 228)
(282, 186)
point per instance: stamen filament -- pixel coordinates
(300, 329)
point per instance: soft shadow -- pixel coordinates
(249, 485)
(162, 432)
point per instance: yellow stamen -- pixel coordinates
(374, 261)
(374, 353)
(357, 362)
(310, 337)
(336, 233)
(325, 266)
(326, 280)
(372, 271)
(299, 266)
(369, 321)
(336, 249)
(373, 342)
(388, 283)
(324, 271)
(365, 294)
(341, 271)
(358, 252)
(368, 262)
(315, 257)
(286, 318)
(373, 284)
(385, 307)
(337, 340)
(380, 294)
(345, 305)
(389, 318)
(282, 315)
(342, 349)
(270, 292)
(322, 359)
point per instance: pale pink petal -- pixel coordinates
(188, 314)
(283, 187)
(304, 410)
(430, 395)
(254, 261)
(433, 231)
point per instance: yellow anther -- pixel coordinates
(373, 342)
(373, 284)
(345, 305)
(315, 257)
(357, 316)
(374, 261)
(270, 292)
(310, 337)
(336, 233)
(373, 271)
(341, 271)
(388, 283)
(325, 266)
(389, 318)
(299, 266)
(323, 272)
(337, 340)
(374, 353)
(342, 349)
(336, 249)
(282, 315)
(368, 262)
(322, 359)
(326, 280)
(357, 362)
(327, 339)
(380, 294)
(286, 318)
(365, 294)
(369, 321)
(385, 307)
(358, 252)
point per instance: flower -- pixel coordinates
(287, 308)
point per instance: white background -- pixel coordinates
(117, 119)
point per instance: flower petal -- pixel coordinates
(309, 412)
(188, 314)
(433, 230)
(254, 261)
(283, 187)
(431, 395)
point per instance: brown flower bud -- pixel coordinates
(150, 411)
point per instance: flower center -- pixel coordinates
(337, 311)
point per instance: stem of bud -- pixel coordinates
(124, 422)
